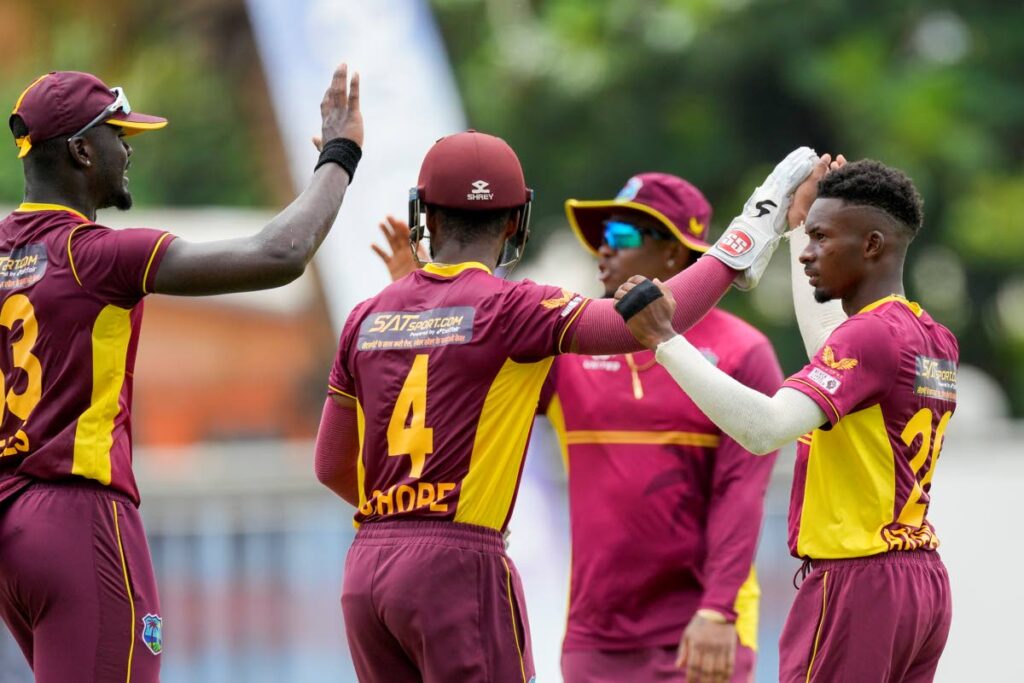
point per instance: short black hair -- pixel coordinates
(466, 226)
(872, 183)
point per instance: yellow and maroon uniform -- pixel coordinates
(886, 381)
(665, 509)
(446, 366)
(71, 295)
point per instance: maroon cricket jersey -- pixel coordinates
(886, 380)
(71, 296)
(446, 366)
(665, 509)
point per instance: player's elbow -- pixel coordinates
(758, 443)
(284, 263)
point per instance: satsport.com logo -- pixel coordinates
(481, 191)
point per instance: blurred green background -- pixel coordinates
(591, 91)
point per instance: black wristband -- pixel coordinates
(637, 299)
(343, 152)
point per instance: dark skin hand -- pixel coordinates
(280, 252)
(807, 192)
(652, 325)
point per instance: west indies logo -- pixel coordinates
(153, 633)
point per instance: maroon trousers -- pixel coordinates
(77, 589)
(434, 602)
(881, 619)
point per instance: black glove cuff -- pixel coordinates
(344, 153)
(637, 299)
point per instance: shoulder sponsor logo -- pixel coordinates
(735, 242)
(571, 306)
(824, 380)
(828, 357)
(481, 191)
(935, 378)
(391, 330)
(557, 302)
(23, 267)
(603, 363)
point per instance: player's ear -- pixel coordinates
(81, 154)
(874, 244)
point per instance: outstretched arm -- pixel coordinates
(280, 252)
(758, 422)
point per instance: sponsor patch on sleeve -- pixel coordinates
(824, 380)
(23, 267)
(389, 330)
(935, 378)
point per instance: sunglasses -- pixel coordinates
(120, 104)
(619, 235)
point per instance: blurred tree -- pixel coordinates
(592, 91)
(193, 62)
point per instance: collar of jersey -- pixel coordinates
(30, 206)
(451, 270)
(912, 305)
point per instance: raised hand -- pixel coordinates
(400, 261)
(751, 238)
(339, 110)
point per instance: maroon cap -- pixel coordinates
(473, 171)
(64, 102)
(675, 203)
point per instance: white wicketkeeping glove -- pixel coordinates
(748, 243)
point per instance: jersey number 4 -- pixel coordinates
(408, 433)
(17, 308)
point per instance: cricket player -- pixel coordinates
(77, 588)
(869, 414)
(688, 598)
(651, 478)
(432, 397)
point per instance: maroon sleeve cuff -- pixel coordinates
(155, 257)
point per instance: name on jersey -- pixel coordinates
(22, 267)
(406, 497)
(935, 378)
(416, 330)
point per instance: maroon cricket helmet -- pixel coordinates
(472, 171)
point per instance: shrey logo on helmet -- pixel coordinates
(481, 191)
(735, 242)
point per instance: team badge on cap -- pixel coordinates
(153, 633)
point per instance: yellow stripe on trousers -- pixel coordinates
(128, 592)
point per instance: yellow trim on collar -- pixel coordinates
(446, 270)
(912, 305)
(572, 204)
(31, 206)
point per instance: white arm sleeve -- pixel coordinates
(816, 321)
(759, 423)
